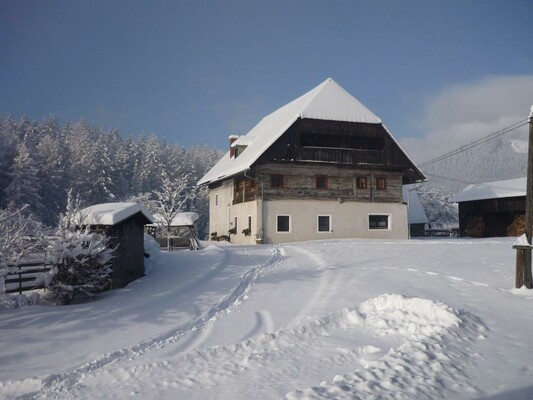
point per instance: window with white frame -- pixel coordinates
(324, 223)
(283, 223)
(379, 221)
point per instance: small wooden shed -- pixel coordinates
(124, 224)
(492, 209)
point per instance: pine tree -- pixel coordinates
(25, 185)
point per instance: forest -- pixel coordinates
(40, 161)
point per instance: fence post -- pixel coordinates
(519, 268)
(20, 279)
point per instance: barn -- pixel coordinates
(492, 209)
(124, 224)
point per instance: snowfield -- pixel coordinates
(358, 319)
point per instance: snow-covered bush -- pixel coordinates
(81, 266)
(81, 260)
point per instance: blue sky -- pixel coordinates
(196, 71)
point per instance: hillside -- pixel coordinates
(502, 158)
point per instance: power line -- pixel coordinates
(484, 184)
(485, 139)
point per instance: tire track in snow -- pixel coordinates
(64, 385)
(429, 338)
(327, 282)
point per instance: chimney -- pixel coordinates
(232, 139)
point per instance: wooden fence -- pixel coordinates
(24, 277)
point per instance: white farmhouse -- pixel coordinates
(321, 167)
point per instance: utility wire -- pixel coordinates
(484, 184)
(485, 139)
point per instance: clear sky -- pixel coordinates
(196, 71)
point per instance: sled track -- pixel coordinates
(64, 385)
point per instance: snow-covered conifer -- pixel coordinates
(81, 259)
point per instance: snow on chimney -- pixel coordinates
(232, 139)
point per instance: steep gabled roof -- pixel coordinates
(327, 101)
(491, 190)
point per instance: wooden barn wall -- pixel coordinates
(289, 147)
(299, 181)
(492, 217)
(128, 258)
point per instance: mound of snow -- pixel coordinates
(414, 318)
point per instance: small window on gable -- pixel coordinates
(276, 181)
(379, 221)
(283, 223)
(324, 223)
(361, 182)
(381, 183)
(216, 200)
(321, 182)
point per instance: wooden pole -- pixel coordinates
(528, 281)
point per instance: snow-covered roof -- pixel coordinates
(112, 213)
(416, 212)
(491, 190)
(182, 219)
(327, 101)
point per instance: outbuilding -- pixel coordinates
(492, 209)
(182, 231)
(124, 224)
(416, 213)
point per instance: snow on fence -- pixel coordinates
(24, 276)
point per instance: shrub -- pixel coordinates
(81, 266)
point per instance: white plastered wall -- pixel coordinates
(222, 217)
(348, 220)
(219, 214)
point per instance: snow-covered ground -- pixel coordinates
(330, 319)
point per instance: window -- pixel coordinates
(283, 223)
(361, 182)
(250, 223)
(321, 182)
(216, 200)
(324, 223)
(381, 183)
(235, 223)
(276, 181)
(378, 221)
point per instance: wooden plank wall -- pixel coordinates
(300, 182)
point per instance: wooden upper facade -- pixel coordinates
(328, 160)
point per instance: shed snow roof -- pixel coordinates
(182, 219)
(327, 101)
(112, 213)
(415, 212)
(491, 190)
